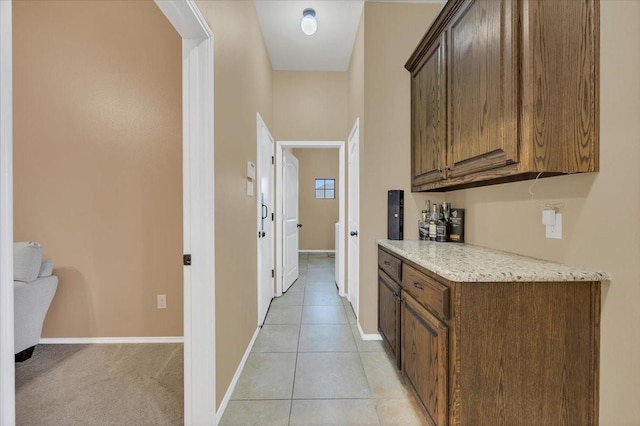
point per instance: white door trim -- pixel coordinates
(262, 125)
(199, 325)
(280, 146)
(7, 366)
(198, 209)
(353, 266)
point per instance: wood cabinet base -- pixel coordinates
(498, 353)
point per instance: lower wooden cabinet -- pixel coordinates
(425, 343)
(389, 313)
(493, 353)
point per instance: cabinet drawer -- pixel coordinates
(390, 264)
(426, 290)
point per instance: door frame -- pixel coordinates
(7, 359)
(354, 288)
(280, 146)
(198, 209)
(262, 124)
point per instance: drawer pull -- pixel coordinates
(387, 263)
(418, 285)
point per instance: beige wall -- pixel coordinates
(310, 106)
(97, 162)
(391, 32)
(317, 216)
(243, 86)
(601, 225)
(356, 81)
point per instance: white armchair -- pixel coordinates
(34, 287)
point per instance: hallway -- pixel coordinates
(309, 365)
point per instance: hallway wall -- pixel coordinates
(310, 106)
(243, 86)
(98, 162)
(318, 216)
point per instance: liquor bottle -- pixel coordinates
(433, 219)
(423, 226)
(441, 227)
(446, 210)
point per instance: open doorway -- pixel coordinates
(198, 238)
(340, 191)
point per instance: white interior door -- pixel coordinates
(290, 217)
(354, 216)
(265, 220)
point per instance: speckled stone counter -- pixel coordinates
(469, 263)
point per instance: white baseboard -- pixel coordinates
(373, 336)
(234, 381)
(316, 251)
(107, 340)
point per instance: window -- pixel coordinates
(325, 188)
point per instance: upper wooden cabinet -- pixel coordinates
(502, 90)
(428, 112)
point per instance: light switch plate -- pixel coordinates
(555, 231)
(251, 170)
(249, 188)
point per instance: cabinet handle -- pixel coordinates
(387, 263)
(418, 285)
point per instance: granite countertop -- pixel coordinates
(469, 263)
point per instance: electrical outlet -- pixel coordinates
(162, 301)
(555, 230)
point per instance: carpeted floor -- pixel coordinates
(69, 385)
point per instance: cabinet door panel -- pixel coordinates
(428, 142)
(425, 357)
(483, 87)
(389, 313)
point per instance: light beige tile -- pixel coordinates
(326, 338)
(334, 412)
(328, 285)
(320, 276)
(366, 345)
(313, 296)
(297, 286)
(277, 338)
(290, 298)
(323, 315)
(384, 379)
(284, 315)
(266, 376)
(330, 375)
(348, 309)
(400, 412)
(257, 413)
(370, 346)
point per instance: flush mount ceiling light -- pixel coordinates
(309, 24)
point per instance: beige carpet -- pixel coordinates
(101, 385)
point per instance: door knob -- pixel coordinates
(299, 225)
(354, 233)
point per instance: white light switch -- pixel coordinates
(251, 170)
(249, 188)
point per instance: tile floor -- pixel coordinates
(309, 365)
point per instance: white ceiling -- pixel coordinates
(329, 49)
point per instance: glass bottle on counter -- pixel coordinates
(433, 219)
(441, 226)
(423, 226)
